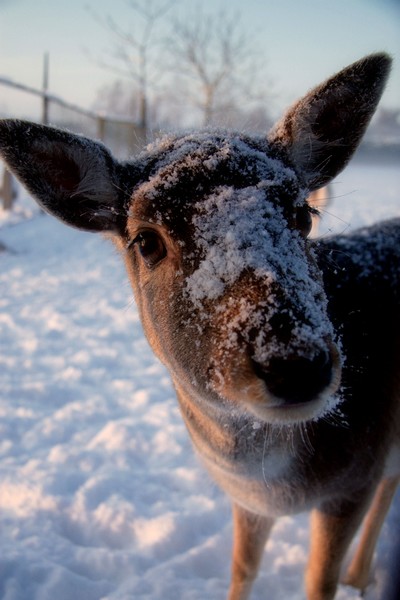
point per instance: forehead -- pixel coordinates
(180, 172)
(226, 199)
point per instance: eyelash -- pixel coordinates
(304, 219)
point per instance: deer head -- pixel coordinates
(213, 228)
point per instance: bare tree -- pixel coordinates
(120, 97)
(217, 61)
(214, 66)
(137, 49)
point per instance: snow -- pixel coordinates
(101, 495)
(238, 231)
(229, 243)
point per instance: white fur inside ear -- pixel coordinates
(95, 182)
(295, 132)
(321, 131)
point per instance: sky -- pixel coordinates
(304, 42)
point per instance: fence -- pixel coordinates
(123, 136)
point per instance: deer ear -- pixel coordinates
(71, 177)
(323, 129)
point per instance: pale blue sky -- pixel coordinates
(304, 41)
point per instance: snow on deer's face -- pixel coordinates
(223, 275)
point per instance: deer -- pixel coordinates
(283, 351)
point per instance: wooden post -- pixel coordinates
(7, 190)
(45, 105)
(101, 127)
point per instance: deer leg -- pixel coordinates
(250, 535)
(358, 571)
(332, 529)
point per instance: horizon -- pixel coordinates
(295, 62)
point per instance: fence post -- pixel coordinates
(101, 127)
(45, 98)
(7, 190)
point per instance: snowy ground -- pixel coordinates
(101, 496)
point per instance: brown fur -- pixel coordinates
(284, 352)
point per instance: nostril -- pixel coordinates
(296, 380)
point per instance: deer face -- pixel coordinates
(213, 227)
(229, 291)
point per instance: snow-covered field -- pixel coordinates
(101, 495)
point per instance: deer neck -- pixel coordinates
(229, 438)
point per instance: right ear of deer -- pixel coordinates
(72, 177)
(322, 130)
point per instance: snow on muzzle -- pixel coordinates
(273, 346)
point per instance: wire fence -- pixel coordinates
(122, 135)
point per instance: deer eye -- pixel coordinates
(151, 247)
(304, 220)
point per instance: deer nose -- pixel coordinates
(296, 380)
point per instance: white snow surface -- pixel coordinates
(101, 494)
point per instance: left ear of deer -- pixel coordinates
(72, 177)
